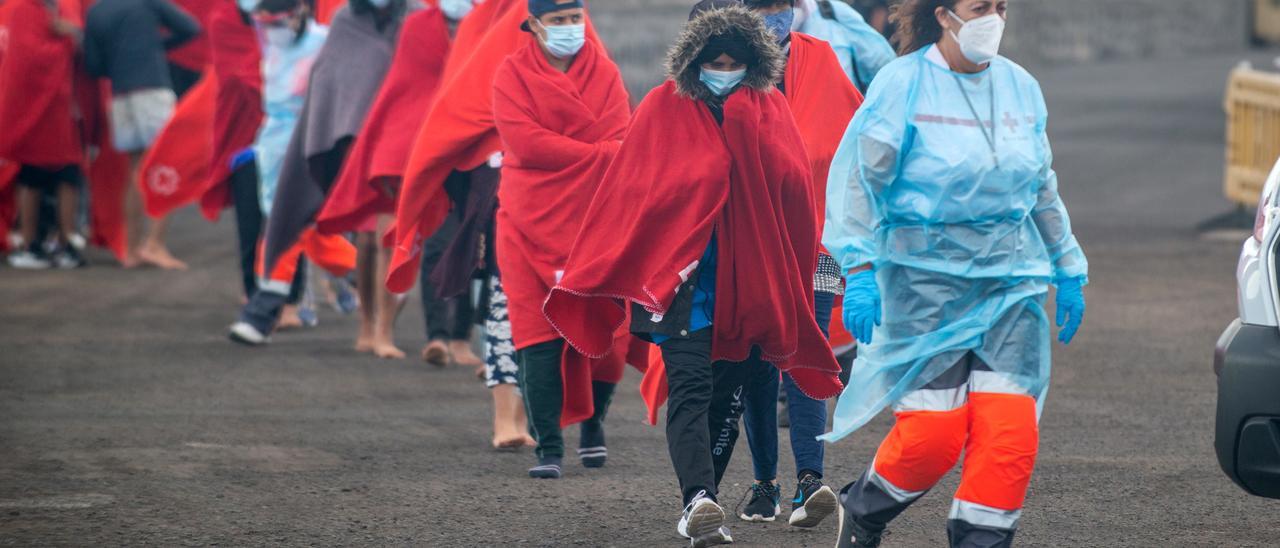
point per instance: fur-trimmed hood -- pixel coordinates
(684, 71)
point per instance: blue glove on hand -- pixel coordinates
(862, 305)
(1070, 308)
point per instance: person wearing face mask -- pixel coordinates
(704, 229)
(822, 101)
(943, 212)
(861, 49)
(561, 110)
(343, 81)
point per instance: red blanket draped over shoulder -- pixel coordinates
(678, 178)
(560, 131)
(366, 184)
(36, 91)
(237, 66)
(194, 55)
(458, 133)
(823, 101)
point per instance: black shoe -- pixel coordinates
(593, 457)
(547, 468)
(854, 535)
(813, 502)
(763, 505)
(68, 258)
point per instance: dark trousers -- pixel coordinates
(704, 405)
(808, 416)
(452, 318)
(244, 196)
(542, 386)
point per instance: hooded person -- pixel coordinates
(40, 133)
(944, 214)
(561, 109)
(344, 80)
(861, 49)
(822, 101)
(704, 226)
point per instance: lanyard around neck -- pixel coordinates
(990, 137)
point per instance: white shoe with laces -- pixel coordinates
(703, 523)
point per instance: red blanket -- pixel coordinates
(35, 89)
(194, 55)
(559, 132)
(237, 65)
(458, 133)
(678, 178)
(370, 175)
(175, 172)
(326, 8)
(823, 101)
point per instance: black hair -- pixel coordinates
(758, 4)
(279, 6)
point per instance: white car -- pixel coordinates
(1247, 359)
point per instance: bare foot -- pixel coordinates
(364, 341)
(387, 351)
(462, 354)
(508, 416)
(480, 371)
(436, 353)
(158, 256)
(289, 318)
(130, 261)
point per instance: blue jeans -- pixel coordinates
(808, 416)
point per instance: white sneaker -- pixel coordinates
(702, 523)
(244, 333)
(27, 260)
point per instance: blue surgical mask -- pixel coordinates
(380, 4)
(780, 23)
(247, 6)
(564, 40)
(455, 9)
(722, 82)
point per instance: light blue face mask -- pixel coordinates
(247, 6)
(722, 82)
(455, 9)
(564, 40)
(780, 23)
(380, 4)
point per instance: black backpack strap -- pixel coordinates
(827, 11)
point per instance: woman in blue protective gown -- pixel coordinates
(943, 211)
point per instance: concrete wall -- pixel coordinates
(638, 32)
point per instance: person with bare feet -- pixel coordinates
(125, 42)
(502, 375)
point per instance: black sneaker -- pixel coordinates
(593, 457)
(68, 258)
(813, 502)
(547, 468)
(853, 535)
(763, 505)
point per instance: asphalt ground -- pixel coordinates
(126, 418)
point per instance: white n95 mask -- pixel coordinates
(980, 38)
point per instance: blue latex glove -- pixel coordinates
(241, 158)
(862, 305)
(1070, 308)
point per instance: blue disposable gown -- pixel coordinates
(285, 72)
(862, 50)
(965, 241)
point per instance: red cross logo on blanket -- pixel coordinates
(163, 180)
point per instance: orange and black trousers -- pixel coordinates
(969, 410)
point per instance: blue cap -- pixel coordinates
(538, 8)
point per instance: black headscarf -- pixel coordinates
(732, 42)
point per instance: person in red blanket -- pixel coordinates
(40, 133)
(823, 100)
(561, 110)
(704, 226)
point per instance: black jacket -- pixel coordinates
(126, 41)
